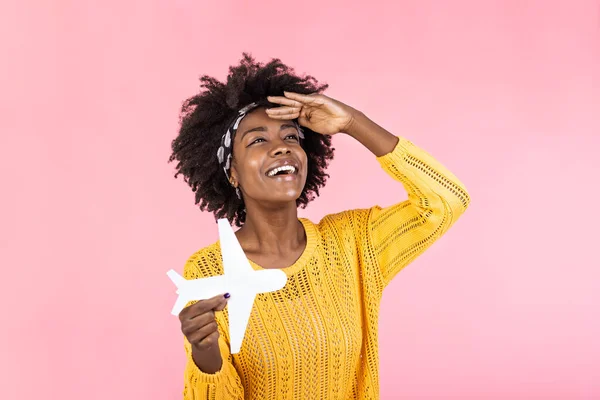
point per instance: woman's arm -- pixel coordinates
(436, 199)
(223, 384)
(396, 235)
(372, 136)
(209, 374)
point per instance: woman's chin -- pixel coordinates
(285, 198)
(283, 192)
(280, 199)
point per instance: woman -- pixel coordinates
(254, 149)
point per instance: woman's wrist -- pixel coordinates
(375, 138)
(208, 361)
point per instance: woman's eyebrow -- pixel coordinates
(264, 129)
(257, 129)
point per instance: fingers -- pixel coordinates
(197, 336)
(198, 322)
(207, 341)
(221, 307)
(289, 109)
(284, 112)
(206, 337)
(203, 306)
(189, 326)
(304, 98)
(284, 101)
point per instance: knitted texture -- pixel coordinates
(317, 337)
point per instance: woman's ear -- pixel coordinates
(234, 182)
(233, 177)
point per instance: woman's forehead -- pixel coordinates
(259, 119)
(256, 116)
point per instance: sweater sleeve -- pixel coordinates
(225, 384)
(436, 199)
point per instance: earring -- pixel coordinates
(237, 189)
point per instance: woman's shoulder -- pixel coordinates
(354, 220)
(357, 215)
(204, 263)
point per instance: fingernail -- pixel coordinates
(226, 295)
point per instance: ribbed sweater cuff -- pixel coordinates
(396, 156)
(218, 377)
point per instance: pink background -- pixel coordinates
(505, 93)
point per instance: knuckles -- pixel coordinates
(208, 341)
(200, 327)
(195, 309)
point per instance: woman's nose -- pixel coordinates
(280, 149)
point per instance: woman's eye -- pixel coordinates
(293, 136)
(257, 140)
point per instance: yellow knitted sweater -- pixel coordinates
(317, 337)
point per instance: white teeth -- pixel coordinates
(282, 168)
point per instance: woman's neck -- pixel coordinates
(272, 232)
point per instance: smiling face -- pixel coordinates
(268, 162)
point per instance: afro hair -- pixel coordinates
(206, 116)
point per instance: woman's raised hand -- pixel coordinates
(317, 112)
